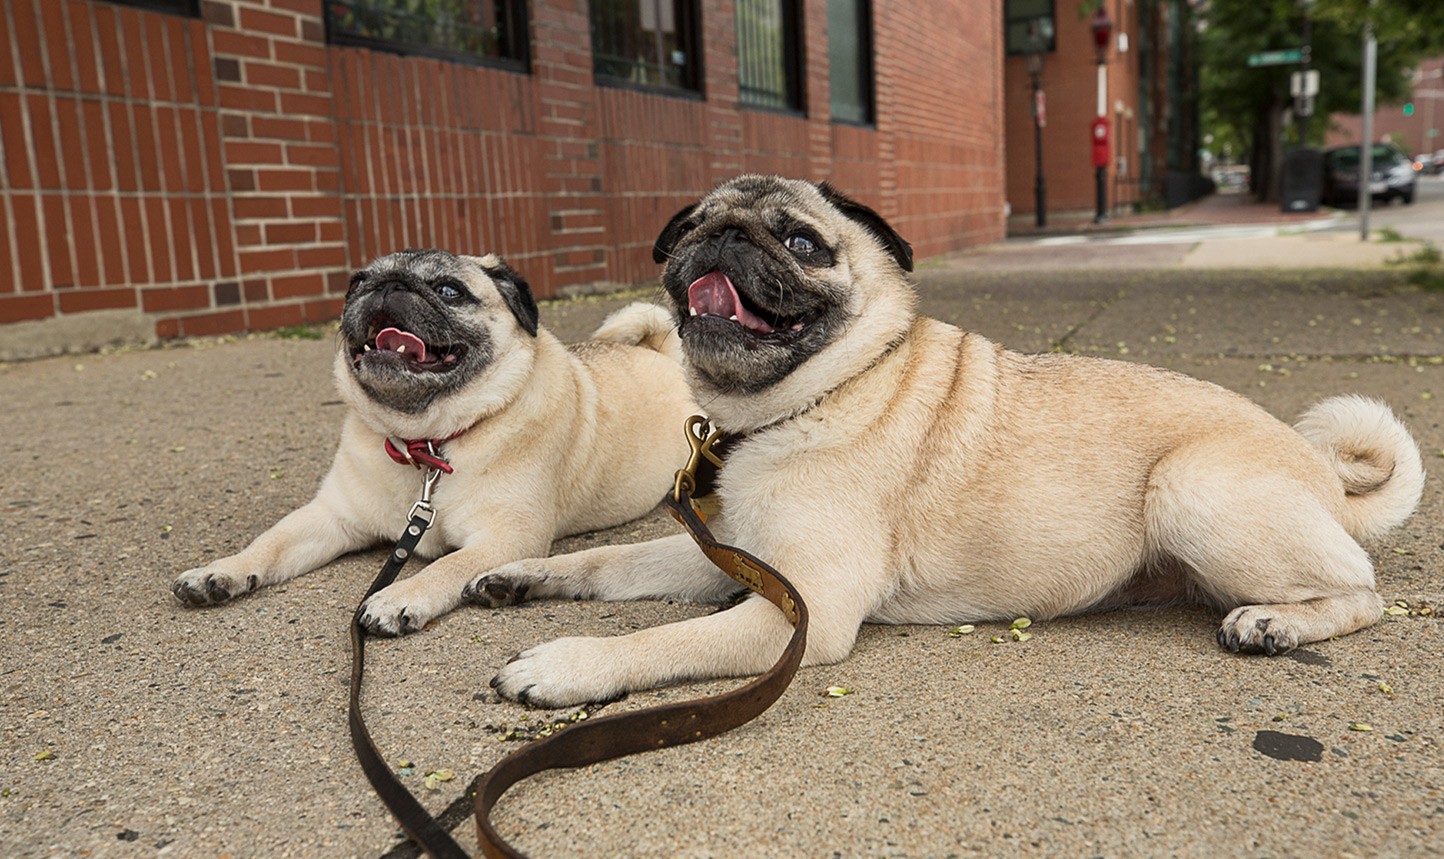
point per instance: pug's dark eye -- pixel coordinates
(800, 244)
(448, 290)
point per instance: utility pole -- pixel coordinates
(1366, 146)
(1304, 106)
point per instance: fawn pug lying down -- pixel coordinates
(900, 470)
(544, 440)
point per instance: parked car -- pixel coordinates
(1439, 161)
(1424, 164)
(1391, 175)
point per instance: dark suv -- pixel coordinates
(1392, 175)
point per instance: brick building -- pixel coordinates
(1415, 130)
(183, 167)
(1150, 103)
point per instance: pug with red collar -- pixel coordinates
(441, 360)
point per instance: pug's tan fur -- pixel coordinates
(555, 440)
(912, 472)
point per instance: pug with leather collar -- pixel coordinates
(897, 469)
(543, 439)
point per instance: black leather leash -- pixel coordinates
(691, 501)
(416, 820)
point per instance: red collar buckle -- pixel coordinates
(419, 453)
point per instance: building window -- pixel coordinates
(1028, 26)
(487, 31)
(849, 60)
(769, 54)
(189, 8)
(646, 43)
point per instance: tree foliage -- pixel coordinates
(1244, 106)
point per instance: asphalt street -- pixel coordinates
(133, 726)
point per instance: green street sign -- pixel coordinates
(1276, 58)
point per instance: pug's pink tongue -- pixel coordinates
(396, 340)
(713, 294)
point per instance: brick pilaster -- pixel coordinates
(281, 162)
(567, 127)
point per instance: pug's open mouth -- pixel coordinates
(714, 296)
(389, 344)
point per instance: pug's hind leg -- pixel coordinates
(672, 567)
(1264, 548)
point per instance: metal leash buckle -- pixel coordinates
(423, 506)
(702, 436)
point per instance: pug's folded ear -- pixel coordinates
(676, 228)
(896, 245)
(516, 293)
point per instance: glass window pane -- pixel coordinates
(849, 59)
(464, 28)
(645, 42)
(766, 54)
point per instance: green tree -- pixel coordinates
(1248, 104)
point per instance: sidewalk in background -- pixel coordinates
(1223, 207)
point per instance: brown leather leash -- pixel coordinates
(691, 502)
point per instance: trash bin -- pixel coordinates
(1302, 180)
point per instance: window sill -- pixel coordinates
(609, 82)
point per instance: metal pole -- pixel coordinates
(1308, 50)
(1040, 201)
(1366, 146)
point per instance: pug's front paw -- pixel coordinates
(563, 673)
(209, 585)
(390, 613)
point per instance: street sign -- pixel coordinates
(1305, 83)
(1276, 58)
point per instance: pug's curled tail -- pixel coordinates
(1375, 458)
(642, 324)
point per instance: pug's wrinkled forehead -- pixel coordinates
(432, 264)
(779, 204)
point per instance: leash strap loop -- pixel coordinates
(607, 737)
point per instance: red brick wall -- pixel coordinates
(226, 173)
(1070, 86)
(115, 192)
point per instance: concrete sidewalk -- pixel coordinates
(135, 727)
(1222, 231)
(1223, 207)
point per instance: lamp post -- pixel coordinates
(1040, 34)
(1102, 27)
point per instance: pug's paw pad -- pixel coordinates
(498, 588)
(1258, 629)
(204, 586)
(385, 614)
(561, 673)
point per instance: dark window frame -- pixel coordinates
(184, 8)
(1010, 19)
(794, 63)
(688, 16)
(866, 46)
(518, 34)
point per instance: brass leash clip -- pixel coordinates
(703, 437)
